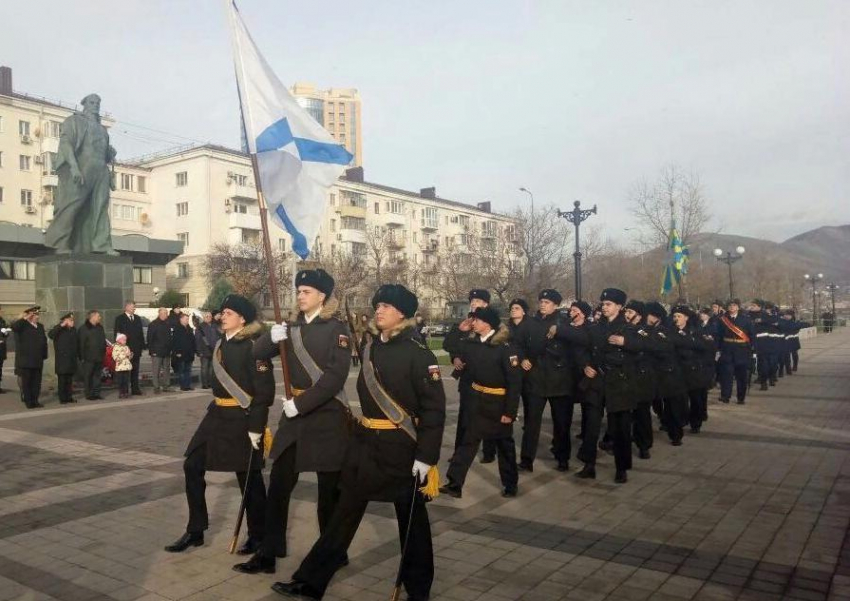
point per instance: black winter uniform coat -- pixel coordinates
(92, 342)
(691, 348)
(159, 338)
(378, 463)
(320, 430)
(577, 339)
(224, 430)
(529, 341)
(552, 371)
(645, 384)
(30, 345)
(64, 349)
(494, 364)
(614, 366)
(659, 342)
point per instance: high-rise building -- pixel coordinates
(338, 111)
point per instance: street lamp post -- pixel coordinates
(831, 288)
(576, 216)
(814, 278)
(730, 257)
(531, 249)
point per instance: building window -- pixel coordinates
(129, 213)
(429, 217)
(342, 138)
(24, 128)
(281, 244)
(395, 206)
(1, 193)
(1, 158)
(353, 199)
(182, 178)
(333, 225)
(25, 162)
(142, 275)
(17, 270)
(142, 184)
(184, 238)
(52, 129)
(358, 249)
(333, 200)
(488, 229)
(241, 180)
(377, 208)
(354, 223)
(182, 208)
(2, 128)
(182, 270)
(127, 181)
(47, 161)
(240, 208)
(26, 198)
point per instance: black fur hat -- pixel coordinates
(399, 297)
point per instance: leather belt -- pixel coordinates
(488, 390)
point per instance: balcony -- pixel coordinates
(395, 243)
(352, 211)
(429, 224)
(243, 193)
(244, 220)
(50, 180)
(394, 220)
(430, 246)
(349, 235)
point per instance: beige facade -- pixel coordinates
(338, 111)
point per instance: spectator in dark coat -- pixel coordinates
(92, 348)
(5, 330)
(174, 316)
(65, 349)
(206, 337)
(30, 353)
(129, 324)
(159, 348)
(183, 352)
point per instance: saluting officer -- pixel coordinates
(233, 426)
(735, 336)
(393, 449)
(30, 353)
(313, 429)
(478, 297)
(492, 362)
(65, 354)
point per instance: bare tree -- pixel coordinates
(245, 267)
(349, 272)
(544, 242)
(675, 193)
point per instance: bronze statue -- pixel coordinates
(81, 207)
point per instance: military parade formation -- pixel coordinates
(618, 363)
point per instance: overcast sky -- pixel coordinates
(572, 99)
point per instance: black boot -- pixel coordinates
(722, 400)
(621, 477)
(488, 458)
(563, 466)
(643, 453)
(525, 466)
(189, 539)
(763, 386)
(296, 589)
(259, 563)
(452, 490)
(588, 471)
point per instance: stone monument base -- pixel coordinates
(77, 284)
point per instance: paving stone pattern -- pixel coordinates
(756, 507)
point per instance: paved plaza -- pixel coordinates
(755, 507)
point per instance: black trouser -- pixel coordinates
(194, 468)
(699, 406)
(795, 358)
(673, 416)
(488, 449)
(328, 553)
(30, 385)
(282, 480)
(206, 372)
(464, 411)
(765, 366)
(1, 372)
(642, 426)
(562, 415)
(134, 373)
(123, 380)
(92, 371)
(738, 372)
(593, 425)
(65, 387)
(465, 455)
(620, 430)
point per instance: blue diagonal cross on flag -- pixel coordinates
(297, 159)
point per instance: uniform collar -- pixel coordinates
(487, 336)
(232, 334)
(310, 318)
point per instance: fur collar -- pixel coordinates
(328, 311)
(500, 337)
(401, 327)
(251, 330)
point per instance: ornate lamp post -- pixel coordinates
(814, 278)
(730, 257)
(831, 288)
(576, 216)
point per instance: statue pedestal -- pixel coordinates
(78, 283)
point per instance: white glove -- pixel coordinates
(278, 332)
(5, 330)
(420, 470)
(289, 407)
(255, 437)
(755, 356)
